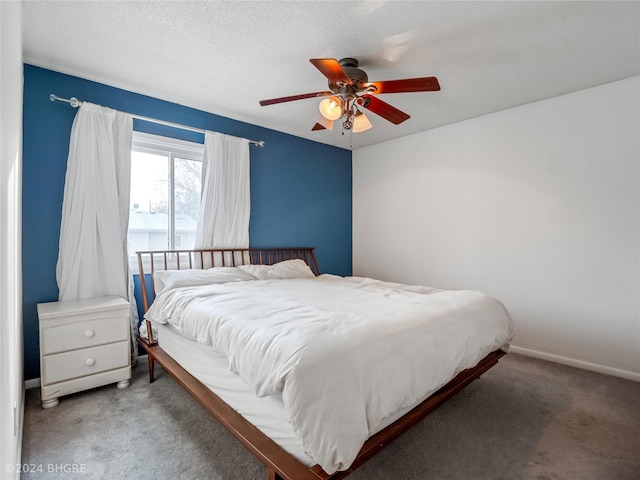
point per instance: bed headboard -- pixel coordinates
(150, 262)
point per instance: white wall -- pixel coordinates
(11, 377)
(537, 205)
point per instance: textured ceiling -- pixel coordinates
(223, 57)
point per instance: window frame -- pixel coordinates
(172, 149)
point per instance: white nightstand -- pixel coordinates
(83, 344)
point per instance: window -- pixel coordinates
(165, 193)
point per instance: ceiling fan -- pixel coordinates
(350, 91)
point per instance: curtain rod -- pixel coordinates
(75, 103)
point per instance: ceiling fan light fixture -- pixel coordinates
(331, 108)
(361, 123)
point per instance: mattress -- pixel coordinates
(266, 413)
(211, 369)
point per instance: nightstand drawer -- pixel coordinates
(88, 361)
(72, 336)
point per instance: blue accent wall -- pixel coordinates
(300, 189)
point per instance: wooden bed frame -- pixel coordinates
(280, 464)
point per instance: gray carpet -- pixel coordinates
(524, 419)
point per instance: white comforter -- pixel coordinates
(345, 352)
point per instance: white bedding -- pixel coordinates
(346, 353)
(211, 368)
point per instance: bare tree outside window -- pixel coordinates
(187, 187)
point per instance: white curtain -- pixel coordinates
(223, 220)
(93, 257)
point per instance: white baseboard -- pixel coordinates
(33, 383)
(571, 362)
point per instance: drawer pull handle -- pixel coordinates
(89, 333)
(90, 362)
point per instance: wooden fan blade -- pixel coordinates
(317, 126)
(331, 69)
(386, 111)
(424, 84)
(294, 97)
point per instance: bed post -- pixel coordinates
(152, 364)
(149, 347)
(273, 475)
(143, 283)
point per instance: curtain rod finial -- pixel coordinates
(73, 101)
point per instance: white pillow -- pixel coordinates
(287, 269)
(166, 280)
